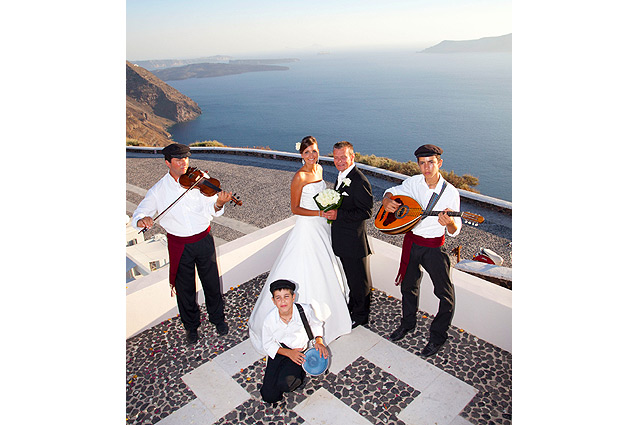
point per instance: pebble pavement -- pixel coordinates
(157, 359)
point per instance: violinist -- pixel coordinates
(190, 243)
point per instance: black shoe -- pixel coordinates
(192, 336)
(300, 385)
(399, 333)
(431, 349)
(222, 328)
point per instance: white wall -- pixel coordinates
(149, 301)
(482, 308)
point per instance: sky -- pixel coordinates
(179, 29)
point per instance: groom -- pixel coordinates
(349, 239)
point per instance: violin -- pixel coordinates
(194, 178)
(208, 186)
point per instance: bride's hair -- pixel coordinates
(305, 142)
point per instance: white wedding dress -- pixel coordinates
(307, 260)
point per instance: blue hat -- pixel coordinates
(314, 364)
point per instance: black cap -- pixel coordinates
(281, 284)
(176, 150)
(428, 150)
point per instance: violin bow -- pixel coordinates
(171, 205)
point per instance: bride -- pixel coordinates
(307, 258)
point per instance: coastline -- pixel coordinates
(400, 101)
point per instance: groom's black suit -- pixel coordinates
(350, 241)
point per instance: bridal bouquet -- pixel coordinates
(328, 199)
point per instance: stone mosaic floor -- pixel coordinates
(158, 358)
(369, 391)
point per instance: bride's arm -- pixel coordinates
(295, 198)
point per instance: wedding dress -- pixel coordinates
(307, 260)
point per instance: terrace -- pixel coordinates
(370, 379)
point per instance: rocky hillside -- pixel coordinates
(152, 106)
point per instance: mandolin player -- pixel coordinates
(422, 246)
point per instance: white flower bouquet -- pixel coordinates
(328, 199)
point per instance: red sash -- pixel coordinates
(176, 246)
(408, 240)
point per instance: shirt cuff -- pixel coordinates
(272, 350)
(216, 213)
(458, 229)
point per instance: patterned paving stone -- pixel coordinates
(158, 358)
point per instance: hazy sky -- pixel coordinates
(168, 29)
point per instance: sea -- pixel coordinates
(385, 103)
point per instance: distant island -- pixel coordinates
(501, 43)
(152, 65)
(209, 66)
(261, 61)
(206, 70)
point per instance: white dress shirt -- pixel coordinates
(293, 334)
(416, 188)
(188, 217)
(343, 174)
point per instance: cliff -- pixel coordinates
(152, 106)
(501, 43)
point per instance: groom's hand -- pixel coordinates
(330, 215)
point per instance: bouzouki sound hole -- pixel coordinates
(402, 211)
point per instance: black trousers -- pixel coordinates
(357, 272)
(281, 375)
(437, 264)
(199, 254)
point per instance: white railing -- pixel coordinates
(265, 153)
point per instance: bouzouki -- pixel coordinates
(410, 213)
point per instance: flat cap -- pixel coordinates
(176, 150)
(281, 284)
(428, 150)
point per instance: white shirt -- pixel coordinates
(293, 334)
(342, 175)
(188, 217)
(416, 188)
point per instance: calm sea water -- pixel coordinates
(386, 104)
